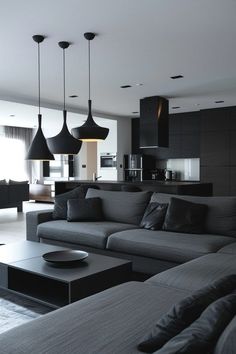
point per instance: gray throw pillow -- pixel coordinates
(182, 314)
(184, 216)
(201, 336)
(89, 209)
(3, 181)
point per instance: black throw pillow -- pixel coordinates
(3, 181)
(185, 216)
(182, 314)
(11, 181)
(201, 336)
(89, 209)
(60, 202)
(154, 216)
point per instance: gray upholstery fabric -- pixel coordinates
(169, 246)
(229, 249)
(125, 207)
(227, 341)
(197, 273)
(33, 219)
(110, 322)
(93, 234)
(221, 215)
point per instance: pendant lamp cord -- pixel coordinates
(64, 79)
(89, 65)
(39, 77)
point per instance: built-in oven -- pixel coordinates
(108, 160)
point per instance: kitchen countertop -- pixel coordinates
(167, 183)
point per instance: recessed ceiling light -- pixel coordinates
(176, 77)
(220, 101)
(175, 107)
(125, 86)
(135, 112)
(73, 96)
(12, 115)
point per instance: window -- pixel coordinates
(12, 159)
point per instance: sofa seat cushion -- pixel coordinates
(229, 249)
(92, 234)
(197, 273)
(165, 245)
(112, 321)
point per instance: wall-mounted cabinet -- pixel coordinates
(184, 138)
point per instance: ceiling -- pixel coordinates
(138, 41)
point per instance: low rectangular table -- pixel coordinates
(23, 270)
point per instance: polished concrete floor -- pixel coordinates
(12, 223)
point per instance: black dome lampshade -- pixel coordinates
(90, 131)
(64, 143)
(39, 149)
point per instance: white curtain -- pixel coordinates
(16, 141)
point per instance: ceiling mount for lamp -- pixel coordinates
(90, 131)
(39, 149)
(64, 143)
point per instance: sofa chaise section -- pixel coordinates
(113, 321)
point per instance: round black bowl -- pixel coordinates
(67, 257)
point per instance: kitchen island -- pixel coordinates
(171, 187)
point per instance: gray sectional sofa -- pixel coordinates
(114, 321)
(120, 235)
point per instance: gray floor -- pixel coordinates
(12, 223)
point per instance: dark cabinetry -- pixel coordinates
(184, 137)
(218, 149)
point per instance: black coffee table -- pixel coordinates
(23, 270)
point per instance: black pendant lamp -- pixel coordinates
(38, 149)
(64, 143)
(90, 131)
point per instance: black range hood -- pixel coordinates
(154, 122)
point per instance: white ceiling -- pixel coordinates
(139, 41)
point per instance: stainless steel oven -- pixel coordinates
(108, 160)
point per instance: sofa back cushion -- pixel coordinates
(221, 213)
(227, 341)
(125, 207)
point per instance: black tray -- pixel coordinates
(67, 257)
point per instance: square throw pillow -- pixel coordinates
(154, 216)
(201, 336)
(89, 209)
(3, 181)
(60, 202)
(185, 312)
(184, 216)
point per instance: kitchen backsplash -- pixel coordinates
(185, 169)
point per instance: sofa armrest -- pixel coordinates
(33, 219)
